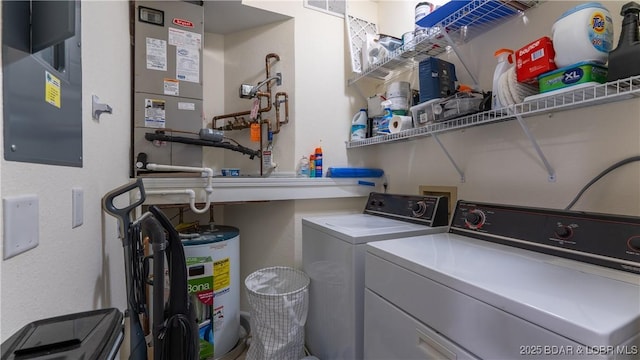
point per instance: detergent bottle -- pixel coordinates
(359, 125)
(505, 61)
(623, 60)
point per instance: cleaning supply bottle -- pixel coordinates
(624, 59)
(505, 61)
(318, 163)
(303, 167)
(359, 125)
(385, 120)
(312, 165)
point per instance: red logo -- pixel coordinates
(183, 22)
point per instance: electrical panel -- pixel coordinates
(42, 82)
(168, 40)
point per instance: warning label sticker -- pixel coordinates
(221, 274)
(52, 93)
(154, 113)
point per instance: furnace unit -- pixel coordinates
(167, 96)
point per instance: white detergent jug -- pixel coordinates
(505, 61)
(359, 125)
(583, 33)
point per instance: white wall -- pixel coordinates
(213, 80)
(77, 269)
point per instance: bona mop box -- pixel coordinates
(200, 288)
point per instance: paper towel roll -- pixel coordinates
(399, 123)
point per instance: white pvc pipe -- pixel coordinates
(208, 172)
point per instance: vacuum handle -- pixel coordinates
(123, 214)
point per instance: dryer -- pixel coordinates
(507, 282)
(333, 252)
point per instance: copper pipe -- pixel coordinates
(286, 110)
(268, 71)
(259, 94)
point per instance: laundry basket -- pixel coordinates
(279, 299)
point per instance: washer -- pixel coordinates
(333, 252)
(507, 282)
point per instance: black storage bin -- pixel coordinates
(91, 335)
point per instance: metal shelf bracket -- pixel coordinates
(460, 57)
(550, 172)
(444, 149)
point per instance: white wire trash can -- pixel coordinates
(279, 299)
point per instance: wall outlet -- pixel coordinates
(21, 224)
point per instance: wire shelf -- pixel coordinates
(586, 96)
(468, 21)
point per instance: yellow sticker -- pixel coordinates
(52, 93)
(221, 274)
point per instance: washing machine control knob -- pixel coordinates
(419, 208)
(564, 232)
(474, 219)
(634, 243)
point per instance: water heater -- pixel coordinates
(167, 83)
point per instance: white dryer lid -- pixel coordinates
(589, 304)
(362, 228)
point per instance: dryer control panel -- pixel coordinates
(601, 239)
(423, 210)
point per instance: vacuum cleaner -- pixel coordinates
(98, 334)
(174, 327)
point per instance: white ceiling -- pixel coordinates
(229, 16)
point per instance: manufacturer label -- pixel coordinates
(183, 23)
(572, 76)
(601, 31)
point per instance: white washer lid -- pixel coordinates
(589, 304)
(362, 228)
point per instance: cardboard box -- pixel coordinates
(534, 59)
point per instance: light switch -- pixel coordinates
(77, 207)
(21, 224)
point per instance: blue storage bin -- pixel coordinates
(354, 172)
(477, 12)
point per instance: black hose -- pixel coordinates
(599, 176)
(191, 141)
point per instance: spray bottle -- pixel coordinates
(505, 61)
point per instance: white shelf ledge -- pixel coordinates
(245, 189)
